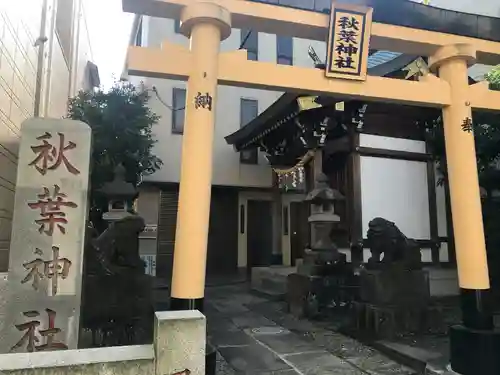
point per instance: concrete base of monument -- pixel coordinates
(163, 303)
(474, 352)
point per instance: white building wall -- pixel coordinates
(397, 190)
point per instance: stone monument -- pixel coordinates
(394, 291)
(47, 242)
(324, 277)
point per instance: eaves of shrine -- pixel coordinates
(380, 63)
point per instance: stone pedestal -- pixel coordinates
(393, 300)
(42, 310)
(315, 287)
(321, 262)
(300, 289)
(395, 287)
(180, 342)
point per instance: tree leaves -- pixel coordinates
(493, 77)
(121, 125)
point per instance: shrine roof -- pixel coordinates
(380, 63)
(411, 14)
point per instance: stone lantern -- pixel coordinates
(324, 276)
(323, 216)
(120, 195)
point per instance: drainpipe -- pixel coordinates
(40, 43)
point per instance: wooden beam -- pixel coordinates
(393, 154)
(306, 24)
(236, 70)
(173, 62)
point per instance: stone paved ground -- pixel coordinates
(254, 336)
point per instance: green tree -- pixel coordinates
(121, 125)
(493, 78)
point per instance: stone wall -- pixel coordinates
(179, 344)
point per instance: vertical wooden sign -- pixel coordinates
(348, 42)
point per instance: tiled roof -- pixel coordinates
(381, 57)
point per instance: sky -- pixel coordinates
(109, 32)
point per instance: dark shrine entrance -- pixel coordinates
(259, 233)
(299, 229)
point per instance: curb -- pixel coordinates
(405, 359)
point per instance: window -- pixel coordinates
(138, 36)
(284, 49)
(178, 110)
(177, 26)
(250, 42)
(323, 5)
(249, 109)
(301, 4)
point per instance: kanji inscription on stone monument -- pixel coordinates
(50, 156)
(48, 234)
(51, 206)
(52, 269)
(32, 335)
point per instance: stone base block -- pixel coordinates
(385, 322)
(270, 280)
(307, 296)
(298, 288)
(474, 352)
(395, 287)
(443, 282)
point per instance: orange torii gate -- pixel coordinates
(208, 22)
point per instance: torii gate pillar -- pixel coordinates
(206, 24)
(473, 342)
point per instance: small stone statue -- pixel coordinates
(384, 237)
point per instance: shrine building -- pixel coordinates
(376, 154)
